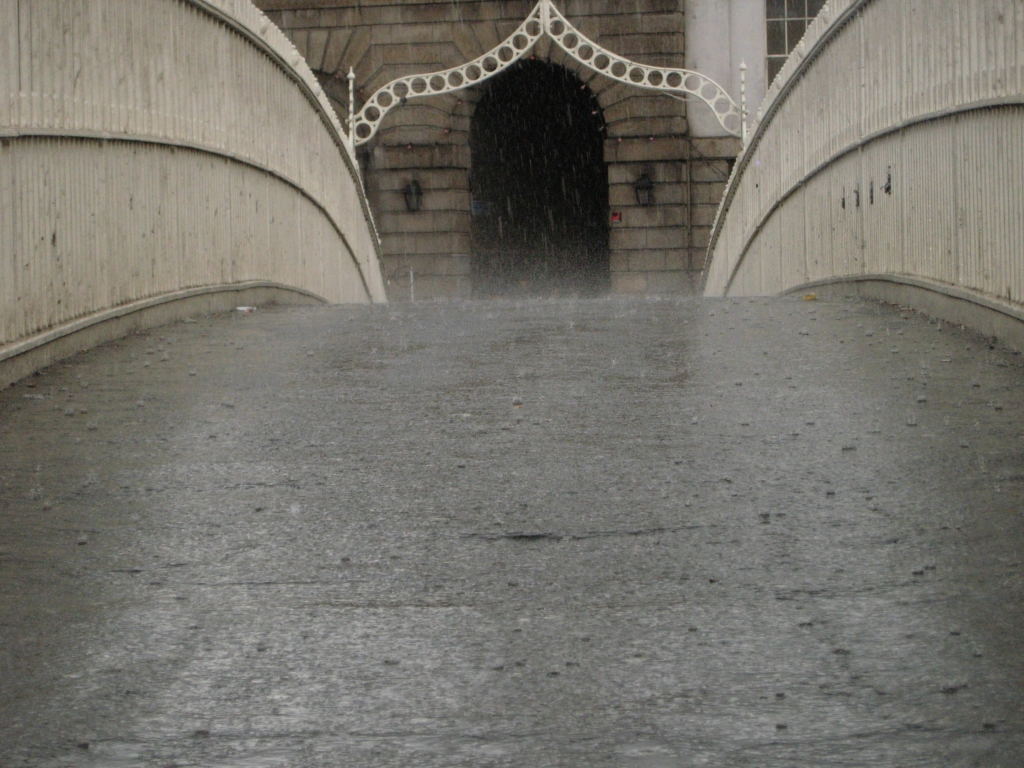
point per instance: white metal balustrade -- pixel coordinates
(544, 20)
(890, 146)
(153, 146)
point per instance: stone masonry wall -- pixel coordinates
(653, 250)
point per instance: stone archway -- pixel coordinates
(539, 185)
(412, 120)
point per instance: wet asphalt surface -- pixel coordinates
(633, 533)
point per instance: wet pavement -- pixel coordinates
(637, 533)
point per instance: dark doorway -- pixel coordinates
(539, 185)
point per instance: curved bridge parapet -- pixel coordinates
(890, 149)
(154, 147)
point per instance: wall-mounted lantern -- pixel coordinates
(413, 196)
(644, 189)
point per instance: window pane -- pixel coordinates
(814, 7)
(794, 31)
(774, 65)
(796, 9)
(776, 9)
(777, 38)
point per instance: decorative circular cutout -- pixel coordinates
(619, 69)
(519, 42)
(585, 52)
(401, 89)
(437, 83)
(372, 114)
(473, 72)
(732, 123)
(455, 79)
(655, 78)
(692, 83)
(570, 41)
(636, 75)
(506, 54)
(708, 91)
(557, 27)
(533, 28)
(601, 61)
(363, 130)
(384, 98)
(722, 106)
(490, 64)
(418, 85)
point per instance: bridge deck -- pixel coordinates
(602, 533)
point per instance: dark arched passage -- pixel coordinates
(539, 185)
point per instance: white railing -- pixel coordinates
(151, 146)
(545, 20)
(891, 145)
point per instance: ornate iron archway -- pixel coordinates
(544, 19)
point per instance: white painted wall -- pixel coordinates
(720, 35)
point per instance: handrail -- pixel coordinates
(162, 146)
(831, 19)
(887, 145)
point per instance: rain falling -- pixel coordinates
(539, 185)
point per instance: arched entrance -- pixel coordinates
(539, 185)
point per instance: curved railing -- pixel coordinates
(546, 20)
(889, 148)
(154, 147)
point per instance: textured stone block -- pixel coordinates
(621, 196)
(637, 150)
(634, 283)
(430, 288)
(646, 261)
(425, 243)
(423, 156)
(660, 172)
(666, 237)
(433, 265)
(662, 23)
(655, 216)
(423, 221)
(640, 104)
(619, 262)
(628, 239)
(718, 148)
(669, 283)
(704, 215)
(711, 171)
(677, 260)
(708, 193)
(698, 257)
(700, 237)
(642, 126)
